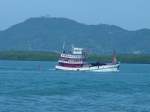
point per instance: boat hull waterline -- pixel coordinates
(103, 68)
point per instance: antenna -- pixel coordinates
(64, 43)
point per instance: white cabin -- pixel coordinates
(78, 51)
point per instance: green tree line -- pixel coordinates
(51, 56)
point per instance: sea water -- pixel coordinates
(34, 86)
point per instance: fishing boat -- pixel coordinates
(76, 61)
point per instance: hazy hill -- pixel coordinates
(48, 34)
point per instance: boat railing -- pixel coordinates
(71, 62)
(71, 56)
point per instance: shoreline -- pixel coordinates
(52, 56)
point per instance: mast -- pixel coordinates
(114, 59)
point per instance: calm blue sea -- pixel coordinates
(33, 86)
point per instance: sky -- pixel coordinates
(128, 14)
